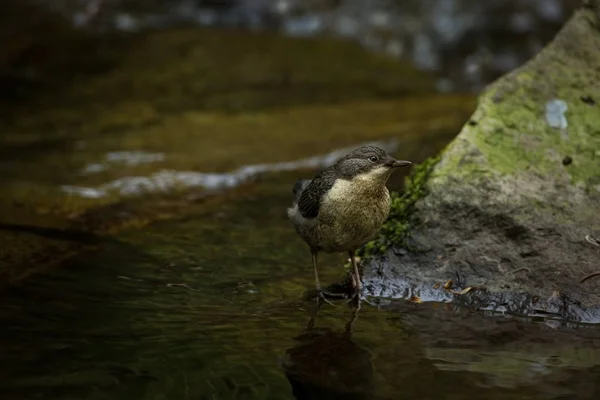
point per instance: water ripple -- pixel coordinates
(166, 180)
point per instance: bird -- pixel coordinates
(344, 206)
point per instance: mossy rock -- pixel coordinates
(512, 199)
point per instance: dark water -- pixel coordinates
(213, 306)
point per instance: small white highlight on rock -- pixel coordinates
(555, 113)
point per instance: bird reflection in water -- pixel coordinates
(326, 364)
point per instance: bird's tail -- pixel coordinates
(299, 187)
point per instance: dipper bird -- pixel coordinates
(344, 206)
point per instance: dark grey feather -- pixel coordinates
(299, 186)
(310, 198)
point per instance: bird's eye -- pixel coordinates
(373, 158)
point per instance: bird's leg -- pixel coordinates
(320, 293)
(313, 317)
(350, 323)
(356, 282)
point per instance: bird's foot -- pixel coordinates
(322, 296)
(358, 296)
(356, 287)
(331, 294)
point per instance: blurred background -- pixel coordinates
(466, 43)
(102, 99)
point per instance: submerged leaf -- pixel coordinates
(415, 299)
(464, 291)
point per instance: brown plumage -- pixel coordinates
(344, 206)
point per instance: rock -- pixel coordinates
(502, 209)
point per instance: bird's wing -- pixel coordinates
(299, 187)
(309, 200)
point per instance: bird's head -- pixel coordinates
(370, 163)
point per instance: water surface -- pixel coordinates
(215, 306)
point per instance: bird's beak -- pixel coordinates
(393, 163)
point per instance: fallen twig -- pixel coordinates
(464, 291)
(596, 242)
(448, 288)
(593, 274)
(518, 270)
(593, 240)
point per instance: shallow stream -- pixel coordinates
(214, 306)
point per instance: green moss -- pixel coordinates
(514, 136)
(511, 136)
(395, 230)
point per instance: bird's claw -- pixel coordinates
(359, 297)
(322, 296)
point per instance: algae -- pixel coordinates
(154, 73)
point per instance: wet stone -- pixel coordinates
(509, 208)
